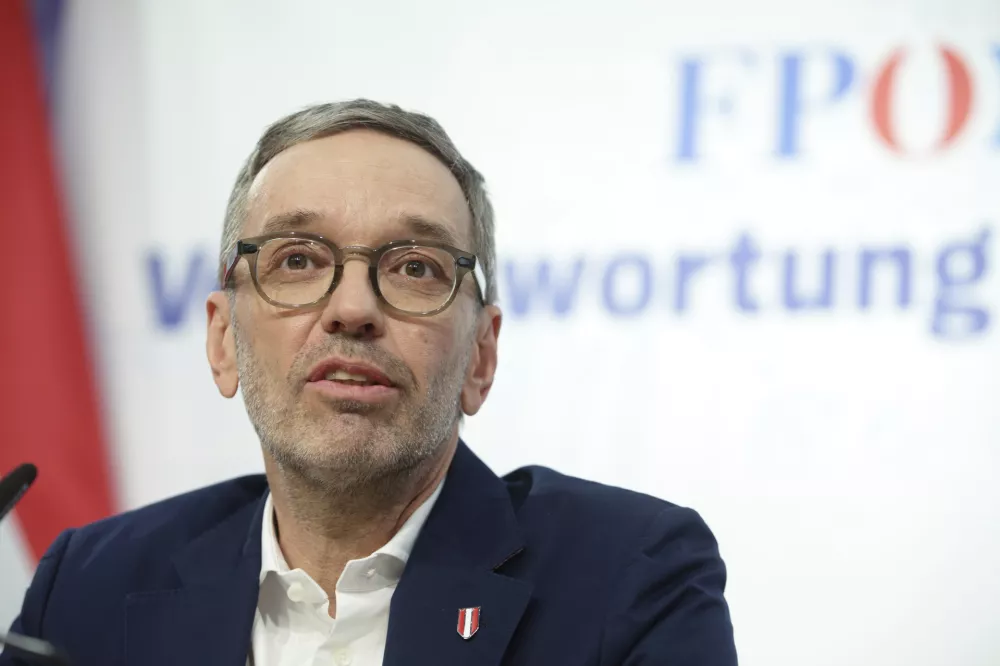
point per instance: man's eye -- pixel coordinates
(296, 262)
(417, 269)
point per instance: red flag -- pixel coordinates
(49, 408)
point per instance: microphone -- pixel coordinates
(35, 651)
(14, 485)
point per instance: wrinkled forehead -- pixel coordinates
(359, 188)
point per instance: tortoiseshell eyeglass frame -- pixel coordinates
(465, 262)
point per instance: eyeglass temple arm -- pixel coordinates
(480, 277)
(229, 266)
(232, 259)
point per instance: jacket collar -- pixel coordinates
(208, 620)
(471, 531)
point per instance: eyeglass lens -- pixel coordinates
(298, 271)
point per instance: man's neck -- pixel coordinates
(320, 533)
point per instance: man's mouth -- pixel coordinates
(346, 380)
(344, 377)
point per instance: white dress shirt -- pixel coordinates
(293, 627)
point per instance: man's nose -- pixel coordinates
(353, 307)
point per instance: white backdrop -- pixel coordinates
(723, 284)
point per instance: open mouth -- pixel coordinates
(345, 377)
(339, 379)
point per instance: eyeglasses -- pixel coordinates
(296, 269)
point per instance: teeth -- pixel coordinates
(343, 375)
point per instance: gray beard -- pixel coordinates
(372, 468)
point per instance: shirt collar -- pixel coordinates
(399, 546)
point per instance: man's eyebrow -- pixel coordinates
(291, 221)
(416, 227)
(424, 229)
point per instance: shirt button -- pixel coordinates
(370, 573)
(296, 592)
(342, 658)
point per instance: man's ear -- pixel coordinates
(221, 345)
(483, 364)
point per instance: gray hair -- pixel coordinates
(323, 120)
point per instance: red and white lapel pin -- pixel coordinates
(468, 622)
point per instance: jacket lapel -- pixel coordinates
(470, 533)
(208, 621)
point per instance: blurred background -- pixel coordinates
(747, 263)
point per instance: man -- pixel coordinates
(358, 315)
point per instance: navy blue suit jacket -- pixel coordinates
(566, 572)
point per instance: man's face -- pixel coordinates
(356, 188)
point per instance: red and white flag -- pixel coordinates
(49, 408)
